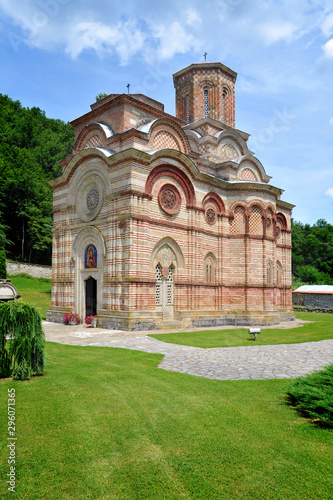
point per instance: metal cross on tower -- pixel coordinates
(128, 87)
(205, 56)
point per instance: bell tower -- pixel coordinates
(205, 90)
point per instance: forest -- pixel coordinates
(31, 146)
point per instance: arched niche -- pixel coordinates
(88, 237)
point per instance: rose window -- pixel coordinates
(92, 199)
(210, 216)
(169, 199)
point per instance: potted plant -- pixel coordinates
(91, 321)
(71, 319)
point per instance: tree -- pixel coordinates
(30, 147)
(312, 252)
(101, 96)
(3, 270)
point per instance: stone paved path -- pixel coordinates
(224, 363)
(236, 363)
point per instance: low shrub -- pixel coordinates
(312, 395)
(27, 276)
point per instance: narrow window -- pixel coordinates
(224, 96)
(187, 103)
(269, 274)
(158, 291)
(206, 103)
(170, 286)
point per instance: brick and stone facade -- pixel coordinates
(169, 221)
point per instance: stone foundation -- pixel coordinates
(150, 320)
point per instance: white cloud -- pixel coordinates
(327, 25)
(192, 17)
(331, 121)
(329, 193)
(328, 49)
(276, 31)
(173, 39)
(124, 38)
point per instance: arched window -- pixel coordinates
(210, 268)
(206, 103)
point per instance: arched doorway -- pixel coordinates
(91, 296)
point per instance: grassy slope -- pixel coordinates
(105, 423)
(321, 329)
(35, 291)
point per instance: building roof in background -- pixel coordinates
(315, 289)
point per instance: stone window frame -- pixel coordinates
(210, 266)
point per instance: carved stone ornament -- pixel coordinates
(165, 256)
(169, 199)
(210, 215)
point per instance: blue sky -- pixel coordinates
(59, 54)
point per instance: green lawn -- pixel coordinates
(36, 291)
(321, 329)
(106, 423)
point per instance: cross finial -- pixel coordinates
(128, 87)
(205, 56)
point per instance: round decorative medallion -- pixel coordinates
(278, 231)
(268, 223)
(92, 199)
(210, 215)
(230, 152)
(169, 199)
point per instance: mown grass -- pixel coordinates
(106, 423)
(321, 328)
(36, 291)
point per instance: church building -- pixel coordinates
(167, 221)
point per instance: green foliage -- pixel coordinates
(101, 95)
(3, 241)
(26, 276)
(30, 147)
(313, 395)
(21, 322)
(312, 252)
(3, 270)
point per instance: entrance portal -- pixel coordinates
(91, 297)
